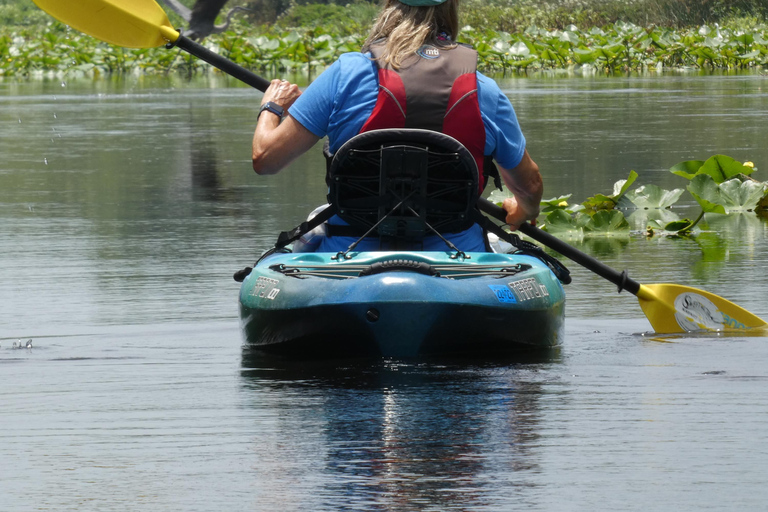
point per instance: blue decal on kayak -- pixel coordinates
(503, 293)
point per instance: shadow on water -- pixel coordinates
(398, 433)
(257, 365)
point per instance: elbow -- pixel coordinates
(260, 162)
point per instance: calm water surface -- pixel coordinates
(125, 207)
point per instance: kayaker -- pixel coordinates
(410, 49)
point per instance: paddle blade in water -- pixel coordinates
(127, 23)
(674, 308)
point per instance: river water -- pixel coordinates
(127, 204)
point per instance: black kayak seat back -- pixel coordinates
(401, 180)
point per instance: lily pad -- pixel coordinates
(733, 195)
(602, 202)
(687, 169)
(651, 197)
(561, 222)
(607, 222)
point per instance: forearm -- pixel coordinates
(278, 141)
(267, 156)
(526, 185)
(525, 182)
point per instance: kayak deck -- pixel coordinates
(400, 304)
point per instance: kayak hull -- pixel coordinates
(486, 303)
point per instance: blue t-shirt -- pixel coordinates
(341, 100)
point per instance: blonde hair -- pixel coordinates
(407, 28)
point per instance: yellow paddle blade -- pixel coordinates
(674, 308)
(127, 23)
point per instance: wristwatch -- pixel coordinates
(273, 107)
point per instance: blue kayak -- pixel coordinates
(400, 304)
(395, 188)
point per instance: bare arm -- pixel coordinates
(275, 143)
(525, 182)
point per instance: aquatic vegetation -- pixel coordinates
(621, 46)
(720, 185)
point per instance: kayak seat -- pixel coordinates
(403, 184)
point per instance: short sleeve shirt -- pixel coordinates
(342, 98)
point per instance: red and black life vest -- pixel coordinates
(436, 89)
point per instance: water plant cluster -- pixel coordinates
(622, 46)
(719, 185)
(618, 47)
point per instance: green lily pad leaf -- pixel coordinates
(519, 49)
(603, 202)
(687, 169)
(561, 222)
(620, 187)
(583, 56)
(651, 197)
(556, 203)
(742, 195)
(731, 196)
(706, 192)
(679, 226)
(599, 202)
(750, 56)
(723, 168)
(498, 196)
(607, 222)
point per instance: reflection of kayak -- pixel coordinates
(401, 186)
(400, 304)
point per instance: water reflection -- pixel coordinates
(394, 435)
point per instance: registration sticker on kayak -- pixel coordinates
(503, 293)
(527, 289)
(265, 288)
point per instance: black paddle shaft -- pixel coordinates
(220, 62)
(620, 279)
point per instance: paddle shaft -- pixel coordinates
(618, 278)
(220, 62)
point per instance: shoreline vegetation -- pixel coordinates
(584, 36)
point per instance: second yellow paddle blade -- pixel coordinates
(675, 308)
(127, 23)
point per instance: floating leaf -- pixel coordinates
(602, 202)
(621, 186)
(687, 169)
(652, 196)
(562, 222)
(559, 203)
(731, 196)
(607, 222)
(723, 168)
(679, 226)
(519, 49)
(498, 196)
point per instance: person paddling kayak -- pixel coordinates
(410, 74)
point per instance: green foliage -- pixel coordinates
(21, 13)
(350, 19)
(732, 195)
(719, 185)
(603, 202)
(602, 223)
(719, 167)
(650, 197)
(621, 46)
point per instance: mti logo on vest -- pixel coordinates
(428, 52)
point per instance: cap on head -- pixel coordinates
(422, 3)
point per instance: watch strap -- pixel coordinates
(273, 107)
